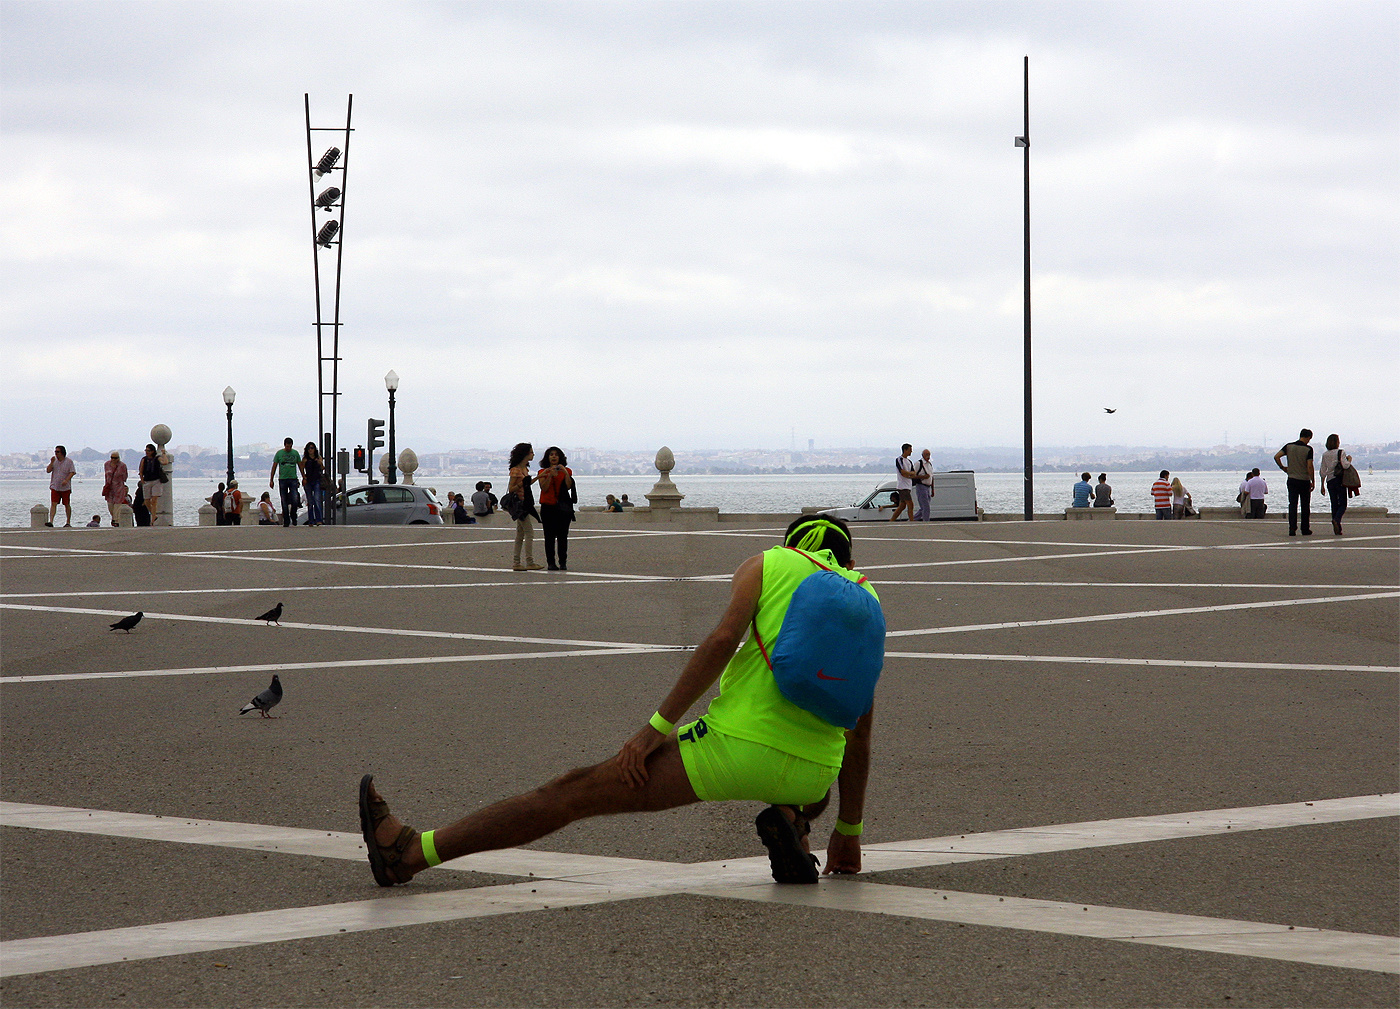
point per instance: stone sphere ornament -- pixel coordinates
(160, 434)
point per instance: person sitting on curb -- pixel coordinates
(753, 744)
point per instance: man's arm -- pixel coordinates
(700, 672)
(1312, 479)
(272, 473)
(1278, 456)
(843, 850)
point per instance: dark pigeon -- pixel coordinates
(127, 623)
(265, 701)
(272, 616)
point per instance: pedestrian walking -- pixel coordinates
(61, 471)
(522, 508)
(286, 470)
(313, 474)
(923, 487)
(558, 494)
(1332, 469)
(114, 489)
(904, 482)
(1301, 483)
(153, 479)
(1162, 495)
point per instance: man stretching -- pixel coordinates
(753, 744)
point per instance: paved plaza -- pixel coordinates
(1115, 764)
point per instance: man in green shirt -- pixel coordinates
(752, 744)
(287, 469)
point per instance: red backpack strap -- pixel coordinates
(759, 641)
(804, 553)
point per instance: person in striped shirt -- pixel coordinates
(1162, 495)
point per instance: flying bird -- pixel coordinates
(265, 701)
(1108, 410)
(272, 616)
(127, 623)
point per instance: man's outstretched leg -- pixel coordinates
(397, 852)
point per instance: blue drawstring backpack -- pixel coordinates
(830, 648)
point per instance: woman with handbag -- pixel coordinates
(1336, 469)
(519, 503)
(557, 497)
(313, 473)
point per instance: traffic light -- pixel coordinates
(359, 458)
(376, 434)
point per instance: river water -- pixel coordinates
(781, 494)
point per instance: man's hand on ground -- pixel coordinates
(842, 854)
(632, 758)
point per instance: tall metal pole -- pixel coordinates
(393, 473)
(1030, 480)
(230, 444)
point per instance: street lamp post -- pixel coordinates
(228, 402)
(391, 382)
(1025, 142)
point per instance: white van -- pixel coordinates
(954, 497)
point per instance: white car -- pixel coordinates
(954, 497)
(383, 504)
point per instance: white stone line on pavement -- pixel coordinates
(639, 878)
(281, 667)
(397, 566)
(1086, 660)
(145, 942)
(1141, 614)
(550, 582)
(1292, 586)
(1020, 558)
(343, 629)
(1297, 944)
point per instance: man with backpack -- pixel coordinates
(793, 717)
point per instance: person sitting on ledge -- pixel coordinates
(753, 744)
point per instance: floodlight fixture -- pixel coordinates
(326, 200)
(327, 232)
(327, 161)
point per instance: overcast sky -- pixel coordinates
(706, 225)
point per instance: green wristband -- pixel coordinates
(849, 829)
(430, 854)
(661, 725)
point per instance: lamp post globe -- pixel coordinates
(229, 395)
(391, 382)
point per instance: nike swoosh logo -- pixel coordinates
(822, 676)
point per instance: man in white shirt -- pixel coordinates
(60, 484)
(1257, 487)
(904, 482)
(923, 487)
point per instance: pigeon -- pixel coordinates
(127, 623)
(1108, 410)
(265, 701)
(272, 616)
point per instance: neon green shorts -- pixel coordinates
(726, 767)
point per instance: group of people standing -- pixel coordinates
(558, 495)
(151, 478)
(913, 478)
(1338, 475)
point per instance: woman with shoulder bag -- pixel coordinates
(522, 507)
(1333, 469)
(557, 496)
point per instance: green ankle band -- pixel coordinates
(849, 829)
(661, 725)
(430, 854)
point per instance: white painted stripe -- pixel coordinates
(144, 942)
(1140, 614)
(278, 667)
(338, 628)
(1292, 586)
(1297, 944)
(1087, 660)
(1017, 559)
(379, 587)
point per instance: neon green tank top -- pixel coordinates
(749, 704)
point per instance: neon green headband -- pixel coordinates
(816, 532)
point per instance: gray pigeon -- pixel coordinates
(265, 701)
(272, 616)
(127, 623)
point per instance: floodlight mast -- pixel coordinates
(325, 235)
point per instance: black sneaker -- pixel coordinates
(789, 862)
